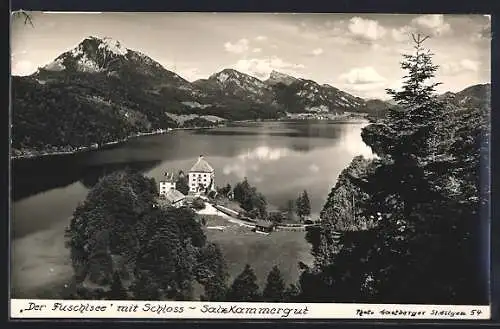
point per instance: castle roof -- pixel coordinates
(202, 166)
(169, 177)
(174, 196)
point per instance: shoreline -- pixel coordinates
(98, 147)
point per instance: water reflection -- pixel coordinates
(91, 175)
(281, 159)
(34, 176)
(284, 129)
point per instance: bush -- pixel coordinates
(198, 204)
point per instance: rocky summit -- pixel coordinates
(101, 91)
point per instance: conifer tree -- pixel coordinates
(303, 205)
(275, 286)
(405, 133)
(422, 249)
(244, 287)
(117, 292)
(182, 183)
(291, 293)
(212, 273)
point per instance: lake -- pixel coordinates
(280, 158)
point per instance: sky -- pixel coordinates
(357, 53)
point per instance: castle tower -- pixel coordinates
(168, 183)
(201, 176)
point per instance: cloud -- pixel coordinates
(56, 65)
(366, 29)
(190, 73)
(317, 51)
(375, 91)
(238, 47)
(261, 38)
(431, 24)
(364, 82)
(264, 154)
(256, 50)
(402, 33)
(252, 160)
(313, 168)
(261, 68)
(362, 76)
(380, 47)
(22, 52)
(484, 33)
(465, 65)
(186, 70)
(23, 67)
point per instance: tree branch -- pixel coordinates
(23, 14)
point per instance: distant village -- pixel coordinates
(205, 198)
(324, 115)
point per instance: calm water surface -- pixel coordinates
(280, 159)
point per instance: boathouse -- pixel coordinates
(264, 226)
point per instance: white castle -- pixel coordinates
(201, 176)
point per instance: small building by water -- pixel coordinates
(264, 226)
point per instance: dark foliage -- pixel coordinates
(162, 251)
(405, 228)
(274, 291)
(244, 287)
(303, 205)
(182, 183)
(250, 199)
(212, 273)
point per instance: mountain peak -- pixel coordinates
(277, 77)
(107, 43)
(92, 54)
(228, 74)
(113, 46)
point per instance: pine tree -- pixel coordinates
(212, 272)
(117, 292)
(145, 287)
(291, 294)
(400, 190)
(303, 205)
(405, 133)
(244, 287)
(275, 286)
(416, 89)
(182, 183)
(423, 233)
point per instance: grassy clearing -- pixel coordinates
(40, 265)
(241, 246)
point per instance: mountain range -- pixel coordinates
(100, 92)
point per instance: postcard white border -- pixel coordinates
(100, 309)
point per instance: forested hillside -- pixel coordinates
(100, 92)
(128, 247)
(408, 226)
